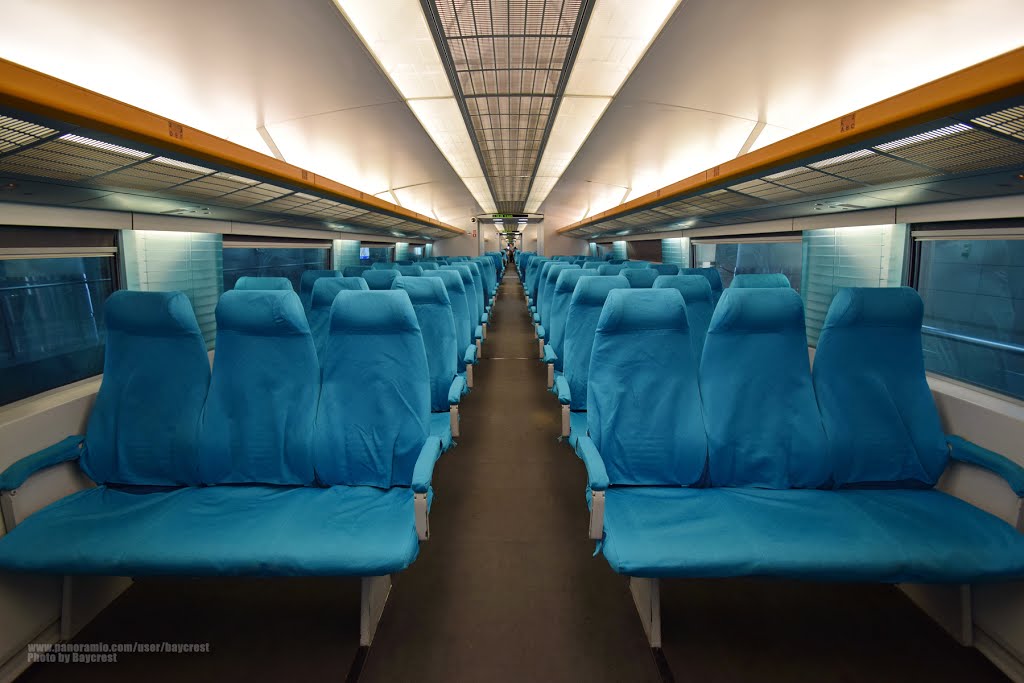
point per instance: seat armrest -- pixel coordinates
(19, 472)
(484, 318)
(549, 354)
(962, 450)
(562, 389)
(470, 356)
(423, 472)
(541, 332)
(596, 473)
(478, 333)
(457, 389)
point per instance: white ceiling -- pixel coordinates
(229, 66)
(720, 66)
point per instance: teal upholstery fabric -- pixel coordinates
(478, 283)
(67, 450)
(666, 268)
(548, 293)
(433, 310)
(640, 278)
(752, 280)
(259, 412)
(592, 265)
(542, 283)
(374, 412)
(249, 283)
(700, 305)
(383, 265)
(380, 279)
(410, 271)
(637, 264)
(156, 373)
(309, 277)
(473, 302)
(428, 265)
(869, 377)
(354, 271)
(456, 289)
(611, 268)
(762, 420)
(319, 314)
(218, 531)
(564, 287)
(533, 275)
(643, 402)
(881, 536)
(580, 328)
(714, 278)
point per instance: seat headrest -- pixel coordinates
(410, 270)
(452, 279)
(381, 278)
(758, 310)
(267, 313)
(692, 287)
(385, 311)
(250, 283)
(311, 276)
(155, 314)
(592, 265)
(712, 275)
(354, 271)
(428, 265)
(382, 265)
(876, 307)
(463, 270)
(759, 280)
(423, 290)
(611, 268)
(629, 310)
(559, 267)
(568, 277)
(326, 288)
(593, 291)
(640, 277)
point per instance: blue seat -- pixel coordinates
(593, 265)
(456, 288)
(564, 288)
(433, 309)
(638, 264)
(383, 265)
(249, 282)
(306, 284)
(666, 268)
(700, 305)
(640, 278)
(404, 262)
(409, 270)
(532, 275)
(751, 280)
(580, 326)
(611, 268)
(550, 275)
(354, 271)
(319, 315)
(380, 279)
(473, 301)
(542, 282)
(481, 292)
(428, 265)
(714, 278)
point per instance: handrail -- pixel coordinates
(976, 341)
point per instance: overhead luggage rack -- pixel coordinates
(61, 144)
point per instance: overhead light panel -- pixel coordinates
(409, 58)
(617, 36)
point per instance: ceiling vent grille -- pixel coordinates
(1008, 122)
(15, 133)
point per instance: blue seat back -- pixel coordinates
(259, 413)
(404, 262)
(638, 264)
(250, 283)
(611, 268)
(156, 372)
(428, 265)
(354, 271)
(640, 278)
(548, 291)
(409, 271)
(374, 411)
(383, 265)
(433, 309)
(666, 268)
(319, 315)
(472, 295)
(763, 425)
(643, 402)
(564, 288)
(542, 282)
(478, 283)
(306, 284)
(592, 265)
(700, 305)
(456, 289)
(533, 275)
(380, 279)
(881, 421)
(580, 327)
(714, 278)
(762, 280)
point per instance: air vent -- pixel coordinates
(1008, 122)
(70, 157)
(15, 133)
(867, 167)
(957, 149)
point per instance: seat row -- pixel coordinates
(275, 464)
(740, 461)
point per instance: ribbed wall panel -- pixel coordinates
(346, 253)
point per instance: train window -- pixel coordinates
(51, 319)
(269, 259)
(973, 290)
(862, 256)
(750, 255)
(375, 254)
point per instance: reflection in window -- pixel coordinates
(973, 293)
(368, 255)
(51, 322)
(271, 262)
(754, 257)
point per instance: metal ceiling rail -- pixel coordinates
(988, 82)
(43, 95)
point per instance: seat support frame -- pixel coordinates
(374, 595)
(647, 598)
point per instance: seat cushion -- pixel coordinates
(441, 427)
(885, 536)
(219, 531)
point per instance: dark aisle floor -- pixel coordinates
(507, 589)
